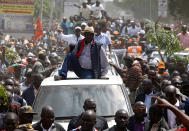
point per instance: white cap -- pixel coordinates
(142, 32)
(83, 23)
(31, 54)
(77, 28)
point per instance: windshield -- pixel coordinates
(68, 100)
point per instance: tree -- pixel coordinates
(46, 8)
(166, 40)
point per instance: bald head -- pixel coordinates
(121, 119)
(88, 120)
(89, 104)
(140, 110)
(47, 117)
(170, 93)
(47, 110)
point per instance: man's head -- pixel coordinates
(170, 93)
(155, 113)
(37, 79)
(47, 117)
(83, 25)
(152, 74)
(26, 114)
(185, 77)
(64, 19)
(175, 73)
(133, 24)
(152, 66)
(11, 121)
(89, 34)
(164, 84)
(98, 29)
(147, 86)
(140, 110)
(77, 31)
(9, 82)
(184, 29)
(42, 56)
(129, 61)
(84, 4)
(177, 83)
(89, 104)
(121, 119)
(97, 3)
(88, 120)
(161, 67)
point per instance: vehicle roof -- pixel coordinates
(110, 80)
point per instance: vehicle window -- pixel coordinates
(68, 100)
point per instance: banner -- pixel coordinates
(25, 7)
(162, 8)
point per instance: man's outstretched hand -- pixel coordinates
(162, 102)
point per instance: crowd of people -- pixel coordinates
(158, 89)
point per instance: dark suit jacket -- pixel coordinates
(141, 97)
(29, 95)
(19, 99)
(132, 124)
(113, 128)
(101, 123)
(56, 127)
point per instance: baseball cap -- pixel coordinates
(27, 110)
(161, 65)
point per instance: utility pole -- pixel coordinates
(41, 11)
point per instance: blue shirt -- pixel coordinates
(102, 39)
(65, 28)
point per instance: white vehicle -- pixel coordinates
(67, 97)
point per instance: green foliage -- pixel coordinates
(46, 8)
(10, 54)
(3, 95)
(185, 60)
(165, 40)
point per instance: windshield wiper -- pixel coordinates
(64, 117)
(108, 116)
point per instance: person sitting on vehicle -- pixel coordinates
(88, 120)
(137, 121)
(122, 120)
(47, 121)
(161, 68)
(89, 104)
(88, 59)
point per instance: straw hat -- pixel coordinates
(89, 30)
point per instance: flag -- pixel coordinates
(39, 30)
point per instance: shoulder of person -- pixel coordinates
(101, 118)
(59, 127)
(37, 126)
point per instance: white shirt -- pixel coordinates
(86, 12)
(97, 10)
(171, 117)
(148, 100)
(50, 129)
(71, 39)
(133, 31)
